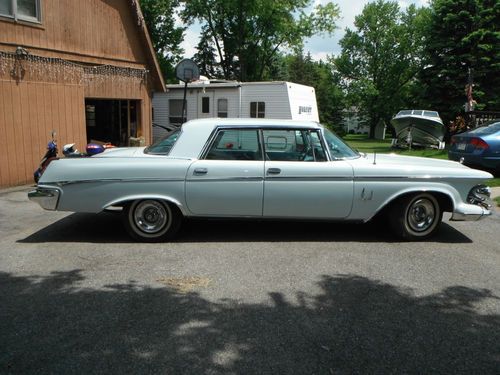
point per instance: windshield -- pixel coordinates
(164, 145)
(338, 149)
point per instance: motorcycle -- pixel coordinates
(50, 155)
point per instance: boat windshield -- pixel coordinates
(338, 149)
(404, 112)
(431, 114)
(164, 145)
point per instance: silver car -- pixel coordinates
(262, 169)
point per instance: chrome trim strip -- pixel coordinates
(233, 179)
(309, 178)
(424, 178)
(291, 178)
(146, 179)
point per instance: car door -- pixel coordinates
(299, 181)
(229, 179)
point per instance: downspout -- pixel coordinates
(239, 104)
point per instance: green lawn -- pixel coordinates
(497, 200)
(361, 143)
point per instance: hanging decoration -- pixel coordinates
(138, 13)
(23, 65)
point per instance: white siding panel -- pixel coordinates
(275, 96)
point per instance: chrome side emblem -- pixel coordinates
(462, 159)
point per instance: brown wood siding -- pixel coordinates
(29, 111)
(93, 32)
(97, 29)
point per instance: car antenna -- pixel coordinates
(375, 158)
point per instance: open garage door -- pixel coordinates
(115, 121)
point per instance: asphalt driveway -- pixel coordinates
(237, 297)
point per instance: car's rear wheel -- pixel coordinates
(416, 217)
(151, 220)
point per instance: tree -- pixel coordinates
(206, 58)
(462, 34)
(165, 35)
(247, 34)
(381, 58)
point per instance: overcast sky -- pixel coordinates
(319, 46)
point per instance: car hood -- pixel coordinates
(393, 165)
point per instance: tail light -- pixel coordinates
(479, 144)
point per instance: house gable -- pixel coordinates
(92, 31)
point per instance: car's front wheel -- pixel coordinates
(151, 220)
(416, 217)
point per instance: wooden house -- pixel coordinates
(85, 69)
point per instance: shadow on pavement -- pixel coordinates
(107, 228)
(49, 324)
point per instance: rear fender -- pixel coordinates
(130, 198)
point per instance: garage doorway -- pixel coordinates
(114, 121)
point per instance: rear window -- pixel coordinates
(164, 145)
(486, 130)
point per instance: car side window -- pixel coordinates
(293, 145)
(235, 144)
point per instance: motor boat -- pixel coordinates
(418, 127)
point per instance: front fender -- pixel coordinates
(372, 197)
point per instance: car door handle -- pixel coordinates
(200, 171)
(273, 171)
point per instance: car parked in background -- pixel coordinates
(479, 147)
(262, 169)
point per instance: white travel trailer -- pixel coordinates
(273, 100)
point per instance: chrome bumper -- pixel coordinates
(46, 197)
(470, 212)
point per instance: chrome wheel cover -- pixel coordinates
(151, 216)
(421, 215)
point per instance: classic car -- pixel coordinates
(479, 147)
(262, 169)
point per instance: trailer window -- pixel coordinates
(257, 109)
(222, 108)
(175, 111)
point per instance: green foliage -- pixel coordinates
(166, 37)
(380, 59)
(246, 35)
(206, 58)
(462, 34)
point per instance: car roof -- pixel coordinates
(197, 132)
(254, 122)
